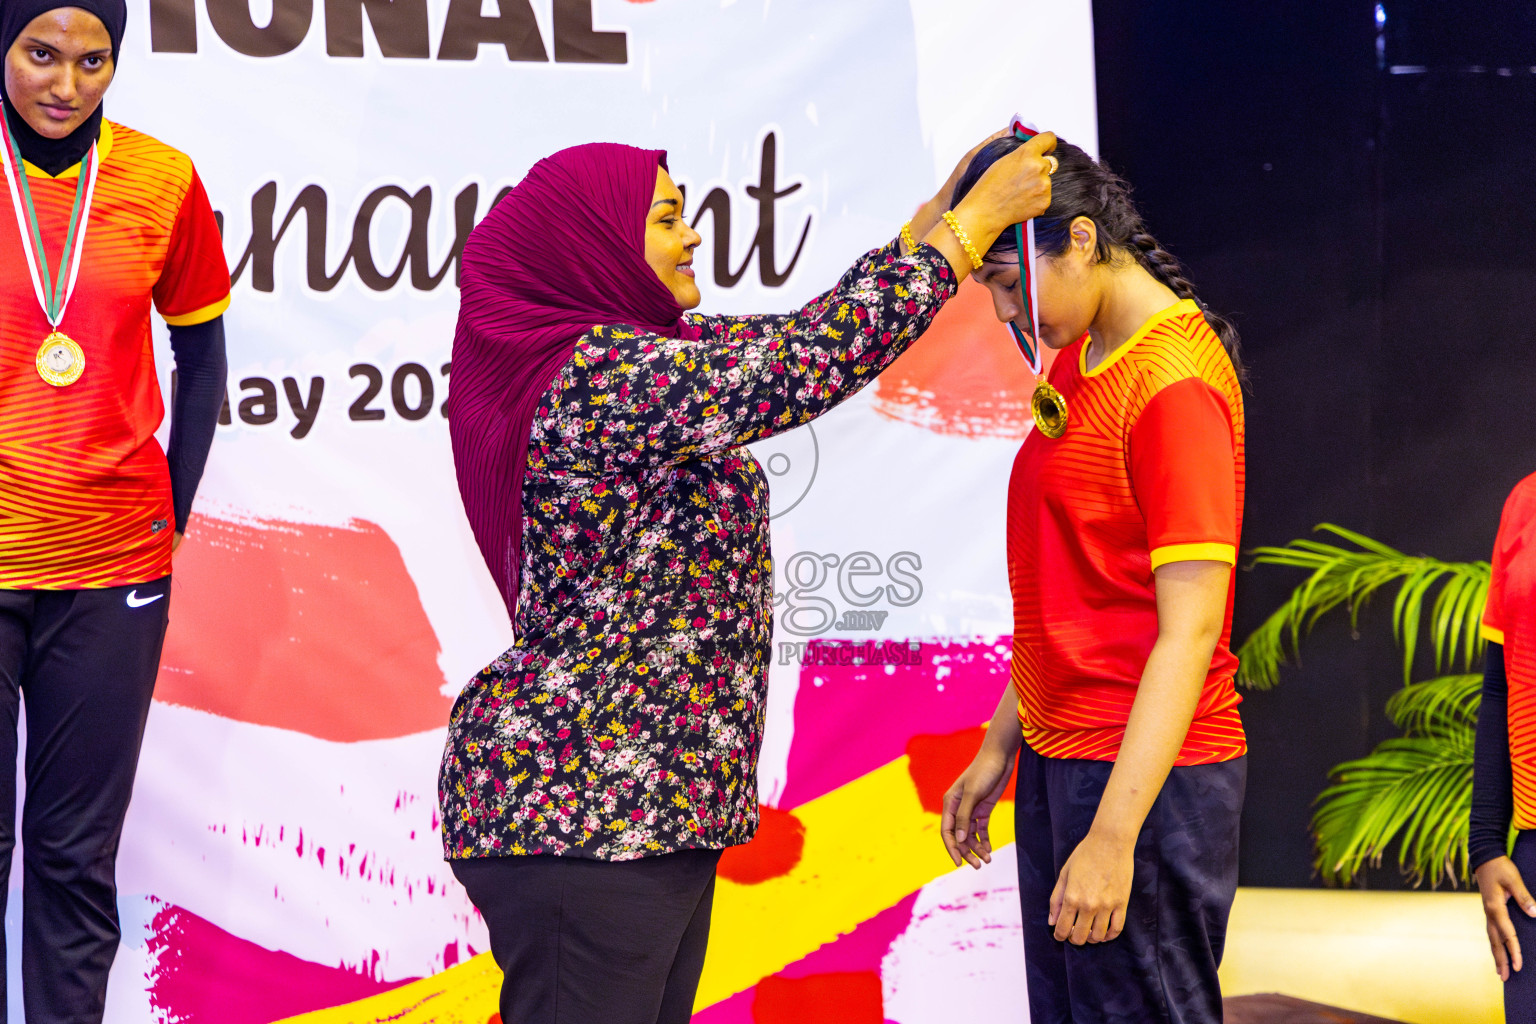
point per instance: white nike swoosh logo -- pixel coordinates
(135, 601)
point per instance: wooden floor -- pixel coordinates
(1270, 1008)
(1414, 957)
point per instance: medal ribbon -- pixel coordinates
(52, 290)
(1024, 234)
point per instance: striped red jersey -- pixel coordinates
(85, 494)
(1510, 619)
(1149, 471)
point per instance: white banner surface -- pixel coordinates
(282, 854)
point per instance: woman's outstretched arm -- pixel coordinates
(646, 400)
(649, 400)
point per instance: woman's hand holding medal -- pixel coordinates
(929, 214)
(1015, 189)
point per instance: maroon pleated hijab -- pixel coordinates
(564, 251)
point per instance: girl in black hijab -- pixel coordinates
(55, 155)
(98, 223)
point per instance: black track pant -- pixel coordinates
(85, 662)
(583, 941)
(1162, 967)
(1520, 989)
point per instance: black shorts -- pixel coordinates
(1162, 967)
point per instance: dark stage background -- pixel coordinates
(1357, 184)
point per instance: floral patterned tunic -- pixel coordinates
(626, 721)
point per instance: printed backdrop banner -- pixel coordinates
(282, 857)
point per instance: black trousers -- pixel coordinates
(1520, 989)
(85, 662)
(1162, 967)
(582, 941)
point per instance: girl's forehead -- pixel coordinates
(69, 26)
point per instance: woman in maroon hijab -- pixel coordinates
(594, 772)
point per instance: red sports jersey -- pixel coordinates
(1510, 619)
(1149, 471)
(85, 493)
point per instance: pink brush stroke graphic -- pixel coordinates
(954, 686)
(204, 975)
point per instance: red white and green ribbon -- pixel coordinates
(1024, 234)
(52, 290)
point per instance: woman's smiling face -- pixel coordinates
(669, 242)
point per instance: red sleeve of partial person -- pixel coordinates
(1184, 471)
(1492, 626)
(1517, 512)
(194, 283)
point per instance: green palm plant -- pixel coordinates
(1416, 789)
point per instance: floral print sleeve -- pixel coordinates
(651, 399)
(627, 718)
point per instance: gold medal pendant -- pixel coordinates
(60, 361)
(1049, 409)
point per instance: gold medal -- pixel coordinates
(60, 361)
(1049, 409)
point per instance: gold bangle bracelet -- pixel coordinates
(906, 237)
(965, 239)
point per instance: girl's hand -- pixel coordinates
(1089, 901)
(176, 541)
(968, 808)
(1499, 882)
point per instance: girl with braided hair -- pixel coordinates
(1122, 539)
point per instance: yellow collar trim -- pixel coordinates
(103, 150)
(1179, 308)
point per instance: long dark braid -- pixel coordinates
(1083, 187)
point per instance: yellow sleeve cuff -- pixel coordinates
(1193, 553)
(198, 316)
(1489, 633)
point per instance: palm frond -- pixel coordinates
(1415, 791)
(1444, 708)
(1351, 576)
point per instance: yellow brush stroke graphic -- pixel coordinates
(868, 845)
(465, 994)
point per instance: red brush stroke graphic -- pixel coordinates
(772, 853)
(851, 719)
(318, 629)
(853, 997)
(204, 975)
(860, 951)
(964, 377)
(935, 762)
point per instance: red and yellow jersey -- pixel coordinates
(85, 493)
(1510, 619)
(1149, 471)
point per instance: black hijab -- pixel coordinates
(55, 155)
